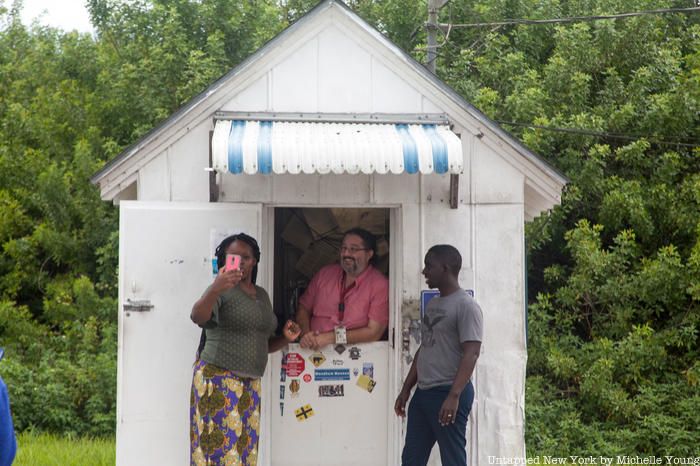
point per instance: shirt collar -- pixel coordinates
(363, 276)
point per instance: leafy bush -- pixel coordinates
(614, 272)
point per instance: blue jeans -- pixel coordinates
(424, 428)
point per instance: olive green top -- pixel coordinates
(238, 332)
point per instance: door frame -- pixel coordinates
(267, 241)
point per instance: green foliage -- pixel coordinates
(153, 56)
(57, 299)
(614, 271)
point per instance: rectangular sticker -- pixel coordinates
(332, 374)
(366, 383)
(331, 390)
(368, 369)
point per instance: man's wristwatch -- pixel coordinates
(341, 336)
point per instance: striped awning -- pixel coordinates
(244, 146)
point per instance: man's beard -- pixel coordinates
(349, 267)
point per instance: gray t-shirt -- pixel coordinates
(448, 322)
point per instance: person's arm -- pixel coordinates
(405, 393)
(290, 332)
(470, 353)
(304, 312)
(377, 315)
(203, 308)
(372, 332)
(309, 339)
(276, 343)
(303, 318)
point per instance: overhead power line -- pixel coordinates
(572, 19)
(588, 132)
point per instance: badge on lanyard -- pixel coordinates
(341, 336)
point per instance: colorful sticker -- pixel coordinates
(304, 413)
(355, 371)
(307, 378)
(366, 383)
(294, 387)
(368, 369)
(331, 390)
(317, 359)
(283, 368)
(332, 374)
(281, 392)
(354, 353)
(295, 364)
(340, 349)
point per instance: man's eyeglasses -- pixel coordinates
(352, 249)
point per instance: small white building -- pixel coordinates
(328, 117)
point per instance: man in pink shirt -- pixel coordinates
(348, 302)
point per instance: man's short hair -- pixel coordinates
(368, 240)
(448, 255)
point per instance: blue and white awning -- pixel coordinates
(243, 146)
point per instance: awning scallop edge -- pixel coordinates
(256, 146)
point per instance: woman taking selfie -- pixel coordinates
(239, 323)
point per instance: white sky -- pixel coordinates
(64, 14)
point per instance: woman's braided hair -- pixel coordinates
(220, 254)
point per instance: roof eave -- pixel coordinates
(518, 146)
(134, 148)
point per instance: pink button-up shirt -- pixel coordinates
(368, 299)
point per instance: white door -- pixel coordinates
(333, 406)
(164, 260)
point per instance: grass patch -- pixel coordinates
(36, 449)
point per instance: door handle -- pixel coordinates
(137, 305)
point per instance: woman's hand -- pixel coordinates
(226, 279)
(291, 331)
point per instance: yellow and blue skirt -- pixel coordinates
(224, 417)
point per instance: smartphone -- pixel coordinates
(233, 262)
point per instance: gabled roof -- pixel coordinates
(549, 193)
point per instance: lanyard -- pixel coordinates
(343, 291)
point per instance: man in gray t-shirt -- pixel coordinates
(442, 368)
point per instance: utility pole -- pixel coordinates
(432, 27)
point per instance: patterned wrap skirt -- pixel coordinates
(224, 417)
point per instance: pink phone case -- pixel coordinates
(233, 262)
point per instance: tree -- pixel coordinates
(57, 273)
(613, 273)
(613, 327)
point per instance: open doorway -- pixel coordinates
(306, 239)
(321, 396)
